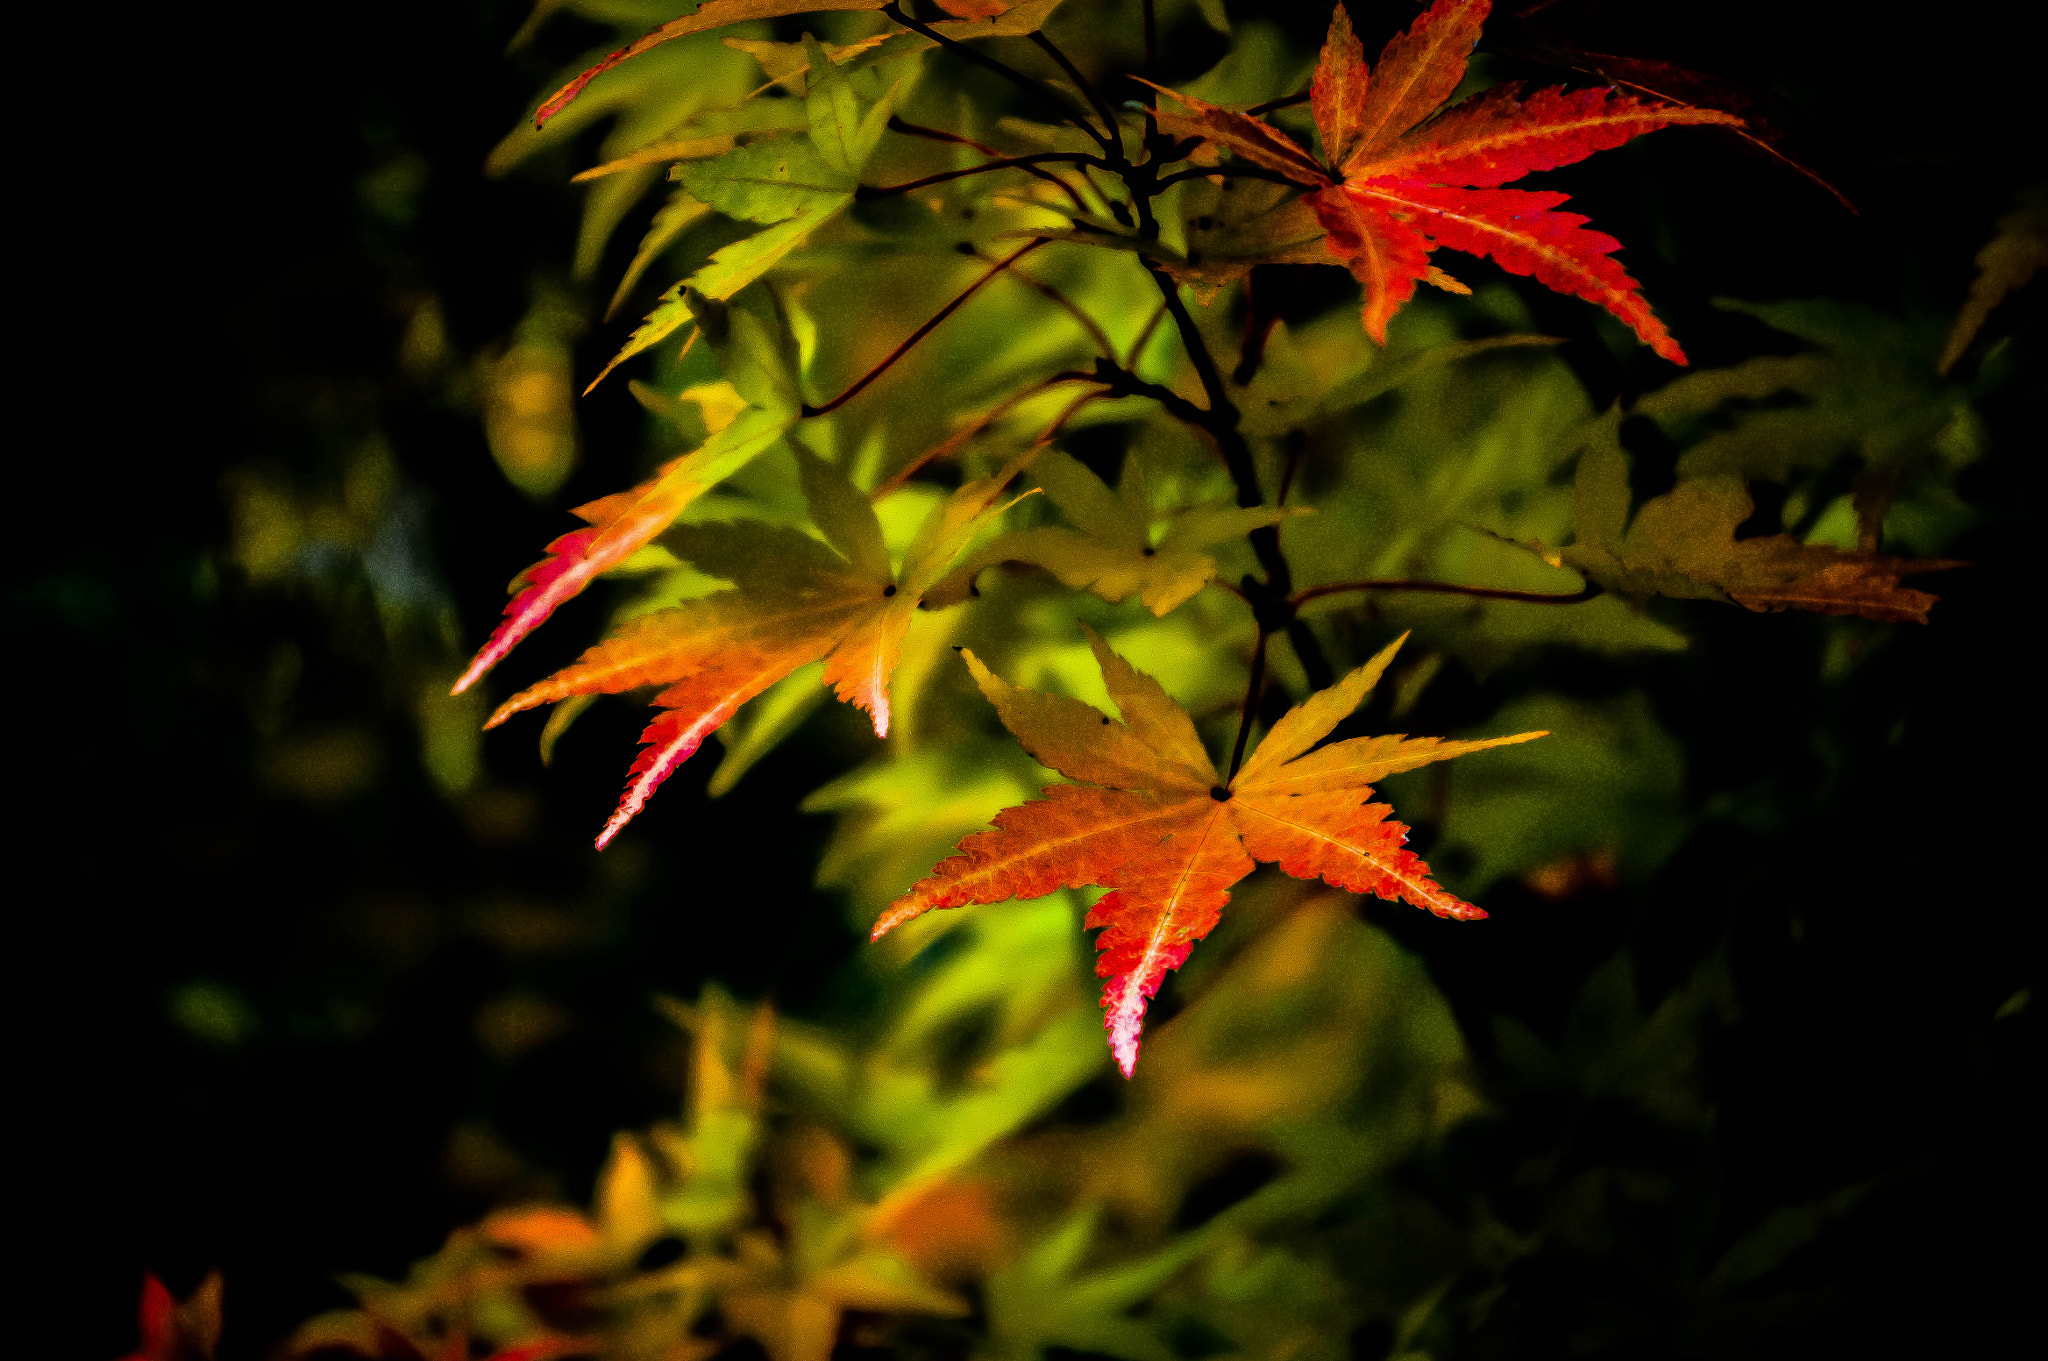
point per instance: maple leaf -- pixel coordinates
(975, 19)
(758, 354)
(796, 600)
(1400, 182)
(1683, 544)
(1111, 552)
(1152, 821)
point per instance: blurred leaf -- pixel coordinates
(2007, 262)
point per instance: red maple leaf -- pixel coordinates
(1154, 822)
(1401, 178)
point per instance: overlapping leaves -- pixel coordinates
(1683, 543)
(795, 601)
(1153, 821)
(1110, 549)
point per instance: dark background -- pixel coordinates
(214, 295)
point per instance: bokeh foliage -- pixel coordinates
(1355, 1136)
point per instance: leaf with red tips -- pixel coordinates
(707, 16)
(1163, 903)
(620, 525)
(795, 600)
(1243, 135)
(1518, 229)
(1336, 836)
(1336, 93)
(1074, 835)
(1382, 248)
(1169, 841)
(700, 705)
(859, 668)
(1500, 136)
(1415, 178)
(1416, 71)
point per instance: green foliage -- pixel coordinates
(885, 317)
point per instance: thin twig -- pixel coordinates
(1587, 592)
(1006, 163)
(960, 438)
(921, 332)
(1231, 587)
(1067, 305)
(910, 129)
(1284, 101)
(1234, 172)
(1144, 337)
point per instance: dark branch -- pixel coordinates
(1121, 382)
(1251, 705)
(1112, 140)
(921, 332)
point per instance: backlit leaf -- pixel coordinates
(1407, 184)
(1165, 837)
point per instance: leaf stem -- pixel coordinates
(960, 438)
(1284, 101)
(1112, 142)
(1235, 172)
(1067, 305)
(807, 410)
(1251, 704)
(1144, 337)
(1587, 592)
(910, 129)
(872, 191)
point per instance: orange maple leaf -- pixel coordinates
(795, 600)
(1154, 822)
(1398, 182)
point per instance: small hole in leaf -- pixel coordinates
(1147, 551)
(1219, 793)
(888, 591)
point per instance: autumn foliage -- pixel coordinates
(1169, 835)
(973, 408)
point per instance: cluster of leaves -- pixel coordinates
(1307, 1162)
(828, 167)
(851, 436)
(820, 1188)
